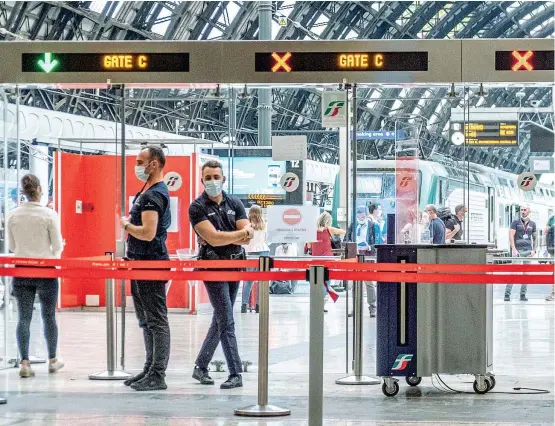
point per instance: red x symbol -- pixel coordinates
(522, 61)
(281, 62)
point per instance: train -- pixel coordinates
(492, 196)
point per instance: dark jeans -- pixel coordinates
(222, 329)
(24, 290)
(149, 298)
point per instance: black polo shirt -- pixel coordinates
(156, 198)
(224, 217)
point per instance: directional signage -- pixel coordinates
(379, 134)
(50, 62)
(340, 61)
(526, 60)
(484, 133)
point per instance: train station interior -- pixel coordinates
(342, 136)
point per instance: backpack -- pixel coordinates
(281, 287)
(444, 213)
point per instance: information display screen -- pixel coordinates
(340, 61)
(255, 175)
(485, 133)
(104, 62)
(524, 60)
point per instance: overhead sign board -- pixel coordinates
(292, 224)
(377, 134)
(524, 60)
(340, 61)
(539, 165)
(484, 133)
(49, 62)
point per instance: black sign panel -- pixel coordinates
(484, 133)
(104, 62)
(340, 61)
(524, 60)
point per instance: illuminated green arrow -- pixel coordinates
(48, 64)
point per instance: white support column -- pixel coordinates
(38, 165)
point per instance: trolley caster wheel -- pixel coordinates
(483, 390)
(390, 391)
(491, 381)
(413, 380)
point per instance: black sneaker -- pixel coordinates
(150, 383)
(202, 376)
(257, 309)
(507, 298)
(523, 298)
(244, 308)
(235, 381)
(135, 379)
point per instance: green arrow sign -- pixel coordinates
(48, 64)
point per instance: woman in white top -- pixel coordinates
(257, 247)
(34, 231)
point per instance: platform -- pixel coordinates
(524, 347)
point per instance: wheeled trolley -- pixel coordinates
(425, 329)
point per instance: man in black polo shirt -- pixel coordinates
(221, 223)
(147, 227)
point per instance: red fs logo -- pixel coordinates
(334, 108)
(402, 362)
(172, 181)
(405, 180)
(526, 181)
(289, 181)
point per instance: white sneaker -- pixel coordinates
(55, 366)
(26, 371)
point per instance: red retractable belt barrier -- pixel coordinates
(226, 270)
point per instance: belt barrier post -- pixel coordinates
(357, 378)
(262, 409)
(317, 275)
(111, 373)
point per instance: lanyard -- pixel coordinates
(525, 226)
(139, 193)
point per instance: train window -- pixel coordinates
(369, 184)
(388, 186)
(512, 183)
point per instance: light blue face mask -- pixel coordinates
(213, 187)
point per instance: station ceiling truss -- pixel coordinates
(197, 112)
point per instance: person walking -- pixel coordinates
(436, 226)
(146, 228)
(550, 245)
(221, 223)
(34, 232)
(523, 240)
(258, 246)
(365, 235)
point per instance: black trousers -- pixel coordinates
(24, 290)
(149, 298)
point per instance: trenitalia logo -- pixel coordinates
(172, 181)
(333, 108)
(404, 182)
(401, 362)
(526, 181)
(289, 182)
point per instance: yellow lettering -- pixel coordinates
(142, 61)
(128, 61)
(355, 60)
(378, 60)
(107, 61)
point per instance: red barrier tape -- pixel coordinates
(278, 264)
(165, 275)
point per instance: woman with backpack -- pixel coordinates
(258, 246)
(323, 245)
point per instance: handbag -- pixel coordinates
(335, 241)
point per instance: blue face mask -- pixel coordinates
(213, 187)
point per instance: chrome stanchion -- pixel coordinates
(111, 373)
(263, 409)
(357, 378)
(317, 275)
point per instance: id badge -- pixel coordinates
(525, 237)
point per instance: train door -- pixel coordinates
(492, 234)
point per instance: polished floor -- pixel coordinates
(524, 357)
